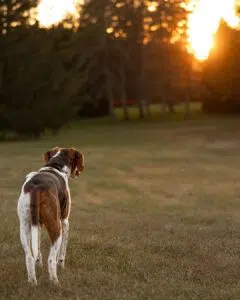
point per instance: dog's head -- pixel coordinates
(73, 158)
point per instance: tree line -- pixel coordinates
(120, 53)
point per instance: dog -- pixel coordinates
(45, 200)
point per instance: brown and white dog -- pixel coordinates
(45, 200)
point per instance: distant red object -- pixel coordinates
(130, 102)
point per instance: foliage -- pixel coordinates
(37, 89)
(120, 52)
(222, 73)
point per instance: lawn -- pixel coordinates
(156, 112)
(156, 215)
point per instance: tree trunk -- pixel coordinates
(123, 94)
(168, 97)
(1, 74)
(108, 75)
(110, 98)
(171, 107)
(188, 93)
(187, 106)
(141, 109)
(148, 108)
(163, 102)
(141, 81)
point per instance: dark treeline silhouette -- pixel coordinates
(120, 55)
(221, 74)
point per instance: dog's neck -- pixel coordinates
(59, 164)
(63, 173)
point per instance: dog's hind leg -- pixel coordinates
(52, 259)
(39, 258)
(52, 222)
(62, 253)
(25, 235)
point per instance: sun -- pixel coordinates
(53, 12)
(204, 21)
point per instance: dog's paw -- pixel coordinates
(55, 282)
(32, 281)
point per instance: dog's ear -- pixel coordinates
(79, 162)
(49, 154)
(76, 161)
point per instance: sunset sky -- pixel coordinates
(203, 21)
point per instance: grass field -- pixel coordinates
(156, 215)
(157, 113)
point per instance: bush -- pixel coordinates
(37, 92)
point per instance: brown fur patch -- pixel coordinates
(76, 161)
(49, 201)
(49, 213)
(34, 206)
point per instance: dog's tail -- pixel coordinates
(35, 194)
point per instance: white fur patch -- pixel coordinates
(55, 155)
(23, 207)
(66, 170)
(34, 235)
(28, 177)
(23, 210)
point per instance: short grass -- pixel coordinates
(156, 112)
(156, 215)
